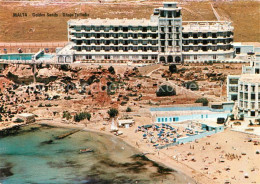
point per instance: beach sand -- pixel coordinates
(218, 162)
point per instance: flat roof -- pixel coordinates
(206, 26)
(252, 78)
(114, 22)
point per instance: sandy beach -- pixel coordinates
(215, 159)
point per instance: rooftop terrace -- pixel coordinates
(114, 22)
(207, 26)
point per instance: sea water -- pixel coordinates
(30, 157)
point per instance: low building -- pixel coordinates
(126, 123)
(26, 118)
(180, 114)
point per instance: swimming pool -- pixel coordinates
(16, 56)
(45, 57)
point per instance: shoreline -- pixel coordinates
(179, 167)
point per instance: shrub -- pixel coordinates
(67, 98)
(64, 67)
(19, 120)
(192, 85)
(112, 112)
(66, 115)
(128, 109)
(91, 79)
(48, 105)
(82, 116)
(204, 101)
(123, 103)
(165, 90)
(111, 70)
(173, 68)
(40, 105)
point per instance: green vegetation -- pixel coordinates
(204, 101)
(64, 67)
(66, 115)
(192, 85)
(82, 116)
(111, 70)
(173, 68)
(128, 109)
(112, 112)
(19, 120)
(165, 90)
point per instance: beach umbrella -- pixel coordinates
(147, 126)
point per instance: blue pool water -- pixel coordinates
(16, 56)
(27, 158)
(45, 57)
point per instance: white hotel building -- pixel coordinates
(245, 89)
(162, 38)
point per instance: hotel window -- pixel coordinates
(144, 56)
(214, 56)
(159, 119)
(195, 57)
(166, 120)
(154, 57)
(253, 105)
(125, 29)
(246, 96)
(252, 96)
(162, 29)
(88, 57)
(107, 56)
(154, 29)
(186, 57)
(154, 35)
(154, 49)
(253, 88)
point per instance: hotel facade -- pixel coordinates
(162, 38)
(245, 89)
